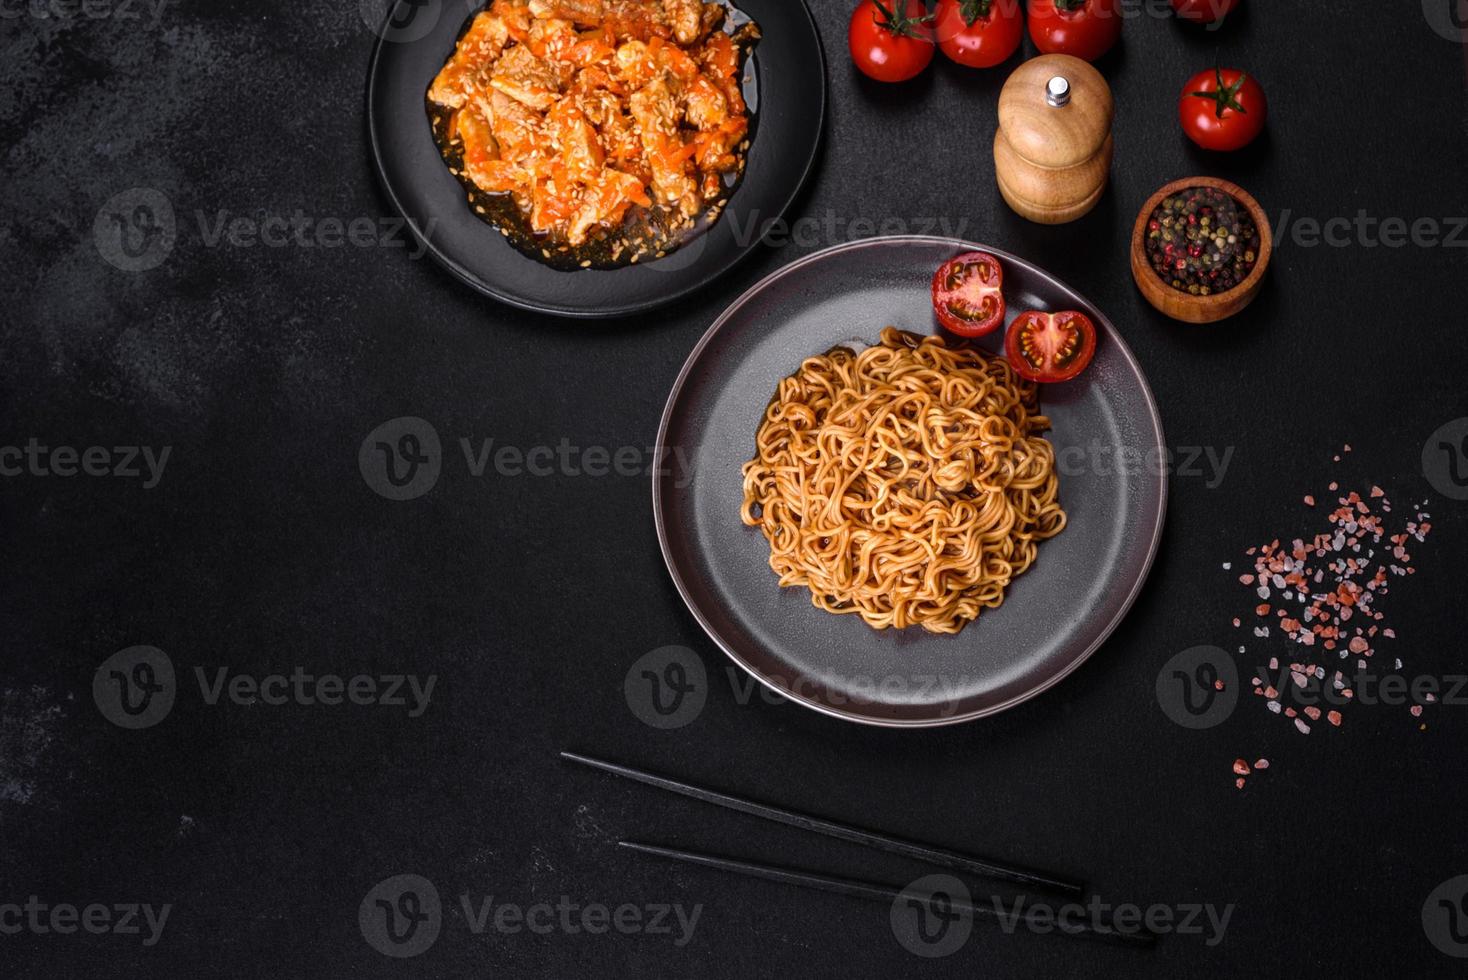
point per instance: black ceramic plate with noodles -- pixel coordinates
(784, 79)
(1054, 616)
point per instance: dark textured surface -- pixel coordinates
(261, 548)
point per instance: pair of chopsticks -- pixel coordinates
(941, 857)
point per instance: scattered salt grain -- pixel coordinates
(1328, 588)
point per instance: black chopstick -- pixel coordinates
(840, 831)
(864, 889)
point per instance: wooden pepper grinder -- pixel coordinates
(1052, 153)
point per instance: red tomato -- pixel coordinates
(1050, 347)
(1204, 11)
(1223, 109)
(891, 40)
(979, 33)
(968, 294)
(1084, 28)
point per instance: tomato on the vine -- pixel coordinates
(1086, 29)
(891, 40)
(1050, 347)
(1223, 109)
(979, 33)
(968, 294)
(1204, 11)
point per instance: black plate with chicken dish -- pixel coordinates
(594, 158)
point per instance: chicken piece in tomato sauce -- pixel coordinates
(584, 110)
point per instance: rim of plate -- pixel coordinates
(484, 288)
(660, 519)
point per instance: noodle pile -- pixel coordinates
(907, 484)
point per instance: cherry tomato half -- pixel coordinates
(891, 40)
(979, 33)
(1204, 11)
(968, 294)
(1050, 347)
(1223, 109)
(1084, 28)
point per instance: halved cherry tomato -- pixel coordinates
(1204, 11)
(979, 33)
(1050, 347)
(1223, 109)
(1084, 28)
(891, 40)
(968, 294)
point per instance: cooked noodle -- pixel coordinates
(908, 484)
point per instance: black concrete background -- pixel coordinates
(262, 548)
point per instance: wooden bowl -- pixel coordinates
(1185, 306)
